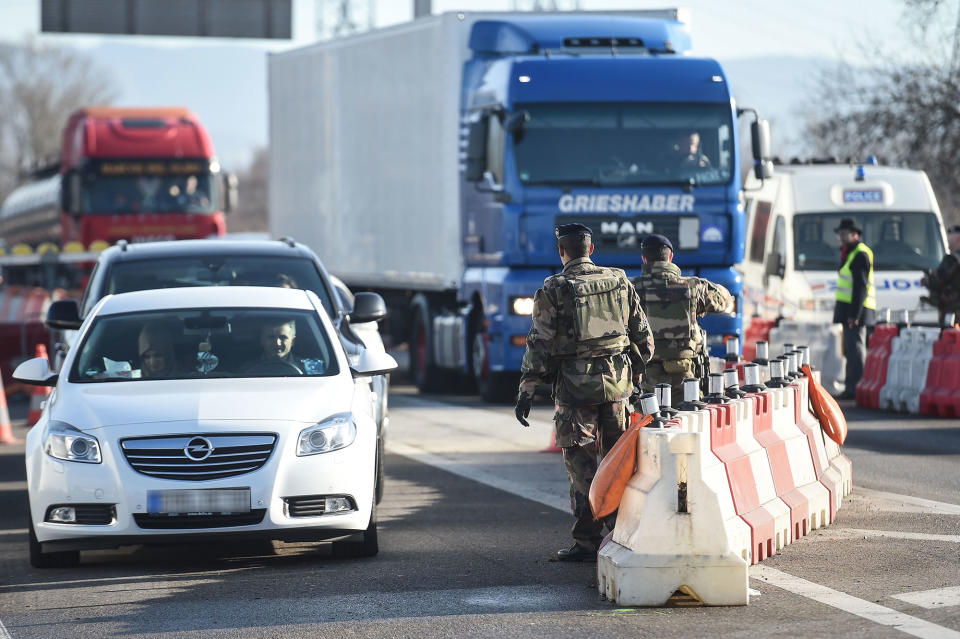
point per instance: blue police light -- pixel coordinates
(861, 175)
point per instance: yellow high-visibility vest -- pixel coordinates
(845, 279)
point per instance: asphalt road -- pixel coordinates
(472, 516)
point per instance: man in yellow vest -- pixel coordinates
(856, 300)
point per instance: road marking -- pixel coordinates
(848, 603)
(3, 631)
(828, 534)
(939, 507)
(930, 599)
(480, 476)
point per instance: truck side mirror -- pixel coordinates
(70, 192)
(776, 265)
(476, 161)
(760, 136)
(229, 192)
(516, 123)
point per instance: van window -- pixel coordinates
(758, 240)
(900, 241)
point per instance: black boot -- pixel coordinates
(577, 552)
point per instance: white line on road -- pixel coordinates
(929, 599)
(479, 475)
(848, 603)
(940, 507)
(828, 534)
(3, 631)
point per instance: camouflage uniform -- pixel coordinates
(672, 304)
(591, 341)
(944, 286)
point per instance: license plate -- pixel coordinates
(198, 501)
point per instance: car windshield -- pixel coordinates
(218, 270)
(149, 194)
(209, 343)
(900, 241)
(625, 143)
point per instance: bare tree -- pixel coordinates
(251, 213)
(40, 85)
(903, 109)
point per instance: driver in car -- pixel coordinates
(276, 342)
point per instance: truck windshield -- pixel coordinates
(625, 143)
(900, 241)
(148, 194)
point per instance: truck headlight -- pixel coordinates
(521, 305)
(331, 434)
(63, 441)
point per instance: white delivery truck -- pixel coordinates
(792, 252)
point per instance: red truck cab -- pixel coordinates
(140, 174)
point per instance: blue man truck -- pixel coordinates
(431, 161)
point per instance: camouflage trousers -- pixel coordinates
(668, 372)
(586, 434)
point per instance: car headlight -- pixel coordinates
(333, 433)
(63, 441)
(521, 305)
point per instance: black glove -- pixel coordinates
(635, 398)
(524, 402)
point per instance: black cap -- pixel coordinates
(575, 228)
(848, 224)
(655, 240)
(954, 229)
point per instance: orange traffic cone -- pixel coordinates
(6, 430)
(38, 394)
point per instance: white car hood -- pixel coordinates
(99, 405)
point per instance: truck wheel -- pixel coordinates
(493, 387)
(425, 375)
(40, 559)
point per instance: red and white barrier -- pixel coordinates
(719, 489)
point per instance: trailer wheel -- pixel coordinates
(493, 387)
(425, 375)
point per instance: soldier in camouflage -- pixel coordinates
(672, 304)
(590, 341)
(944, 281)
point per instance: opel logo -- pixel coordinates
(198, 449)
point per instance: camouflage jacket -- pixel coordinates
(944, 284)
(589, 338)
(672, 304)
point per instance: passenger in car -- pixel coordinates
(155, 348)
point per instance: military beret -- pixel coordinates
(655, 240)
(576, 228)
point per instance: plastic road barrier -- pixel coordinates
(941, 396)
(875, 365)
(825, 341)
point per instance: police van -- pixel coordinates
(792, 253)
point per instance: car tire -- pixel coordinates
(40, 559)
(378, 489)
(367, 546)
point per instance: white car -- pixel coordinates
(197, 413)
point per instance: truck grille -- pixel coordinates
(198, 457)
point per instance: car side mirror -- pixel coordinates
(35, 372)
(64, 315)
(371, 363)
(367, 307)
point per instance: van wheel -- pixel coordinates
(39, 559)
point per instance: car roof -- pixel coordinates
(187, 248)
(206, 297)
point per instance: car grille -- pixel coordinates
(199, 521)
(198, 457)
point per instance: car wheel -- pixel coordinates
(39, 559)
(378, 490)
(368, 546)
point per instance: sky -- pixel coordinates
(771, 49)
(726, 29)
